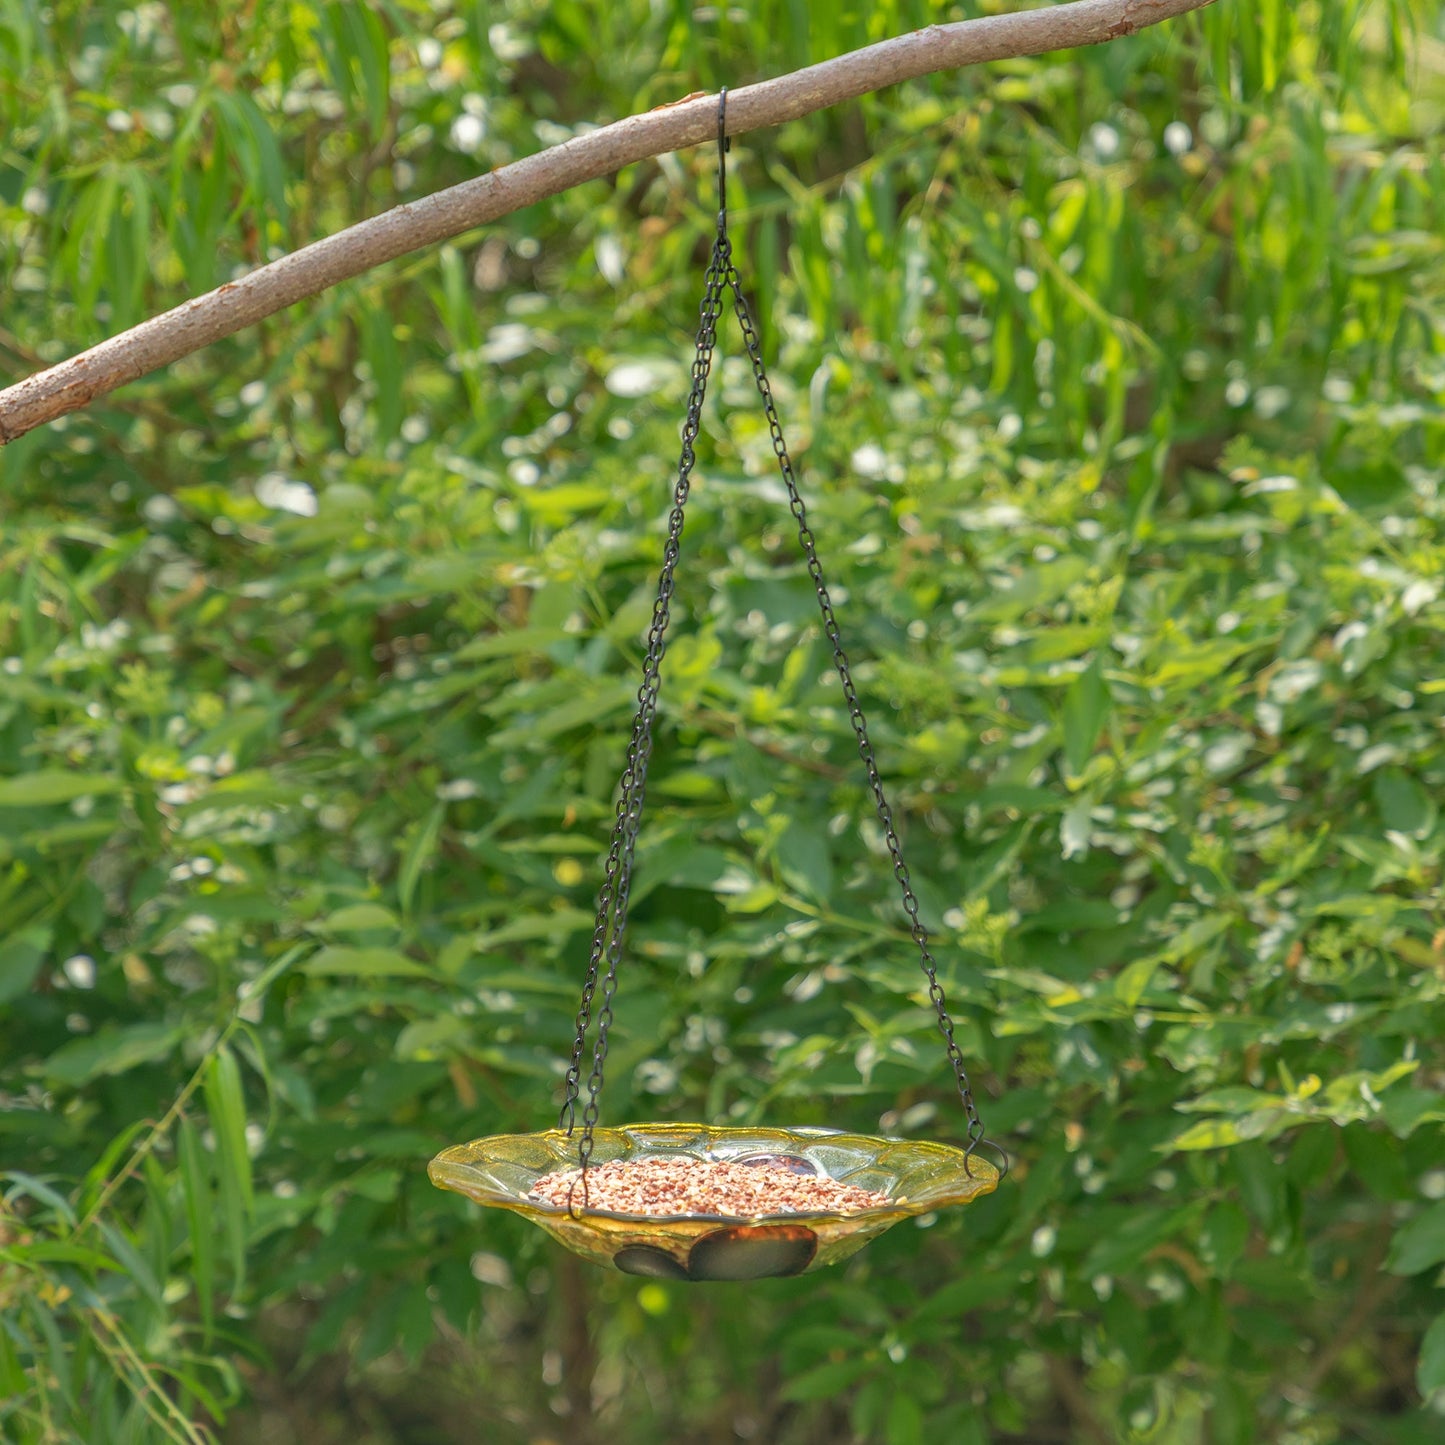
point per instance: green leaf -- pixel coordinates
(100, 1174)
(200, 1223)
(353, 42)
(959, 1298)
(338, 1312)
(824, 1381)
(510, 644)
(20, 958)
(1430, 1372)
(1261, 1183)
(1224, 1237)
(1208, 1134)
(365, 963)
(1126, 1245)
(358, 918)
(39, 1190)
(1407, 1109)
(255, 989)
(53, 1251)
(57, 1357)
(1420, 1244)
(1087, 705)
(591, 706)
(905, 1420)
(1194, 664)
(1036, 586)
(114, 1049)
(528, 926)
(805, 861)
(226, 1105)
(1379, 1162)
(49, 786)
(686, 865)
(1405, 807)
(254, 145)
(415, 1325)
(1133, 980)
(417, 855)
(381, 1325)
(13, 1377)
(433, 1038)
(130, 1258)
(1193, 937)
(380, 349)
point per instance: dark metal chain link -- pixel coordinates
(614, 895)
(613, 898)
(855, 710)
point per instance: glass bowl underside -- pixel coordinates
(918, 1176)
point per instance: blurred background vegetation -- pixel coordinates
(1116, 379)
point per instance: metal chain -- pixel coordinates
(855, 710)
(614, 895)
(613, 898)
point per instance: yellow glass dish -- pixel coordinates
(918, 1176)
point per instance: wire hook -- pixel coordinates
(723, 146)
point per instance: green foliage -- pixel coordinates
(1117, 381)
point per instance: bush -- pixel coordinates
(1115, 381)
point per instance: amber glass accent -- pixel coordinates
(918, 1176)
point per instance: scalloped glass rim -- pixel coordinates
(954, 1177)
(920, 1175)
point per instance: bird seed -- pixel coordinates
(703, 1186)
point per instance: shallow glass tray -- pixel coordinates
(918, 1176)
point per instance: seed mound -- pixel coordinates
(699, 1186)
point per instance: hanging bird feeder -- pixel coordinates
(699, 1201)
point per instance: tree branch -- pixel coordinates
(271, 288)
